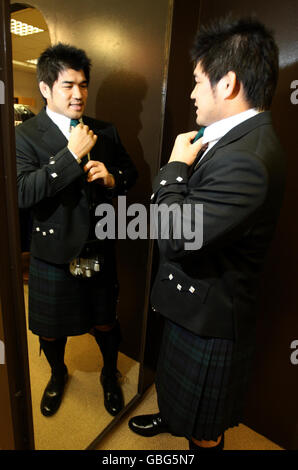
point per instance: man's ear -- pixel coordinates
(229, 86)
(45, 90)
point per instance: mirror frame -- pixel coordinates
(13, 314)
(12, 297)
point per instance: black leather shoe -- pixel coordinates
(52, 396)
(148, 425)
(113, 397)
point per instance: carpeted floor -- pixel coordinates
(122, 438)
(82, 415)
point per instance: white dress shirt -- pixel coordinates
(63, 122)
(218, 129)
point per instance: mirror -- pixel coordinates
(82, 415)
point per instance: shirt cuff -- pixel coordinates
(75, 156)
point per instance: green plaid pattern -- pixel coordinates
(200, 383)
(62, 305)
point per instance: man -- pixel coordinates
(207, 295)
(66, 165)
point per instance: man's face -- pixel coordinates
(68, 95)
(207, 99)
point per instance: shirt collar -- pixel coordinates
(63, 122)
(218, 129)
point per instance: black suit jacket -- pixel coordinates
(211, 291)
(53, 184)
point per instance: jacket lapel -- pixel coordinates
(235, 134)
(55, 141)
(51, 134)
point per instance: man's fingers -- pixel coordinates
(191, 135)
(187, 137)
(97, 171)
(94, 174)
(198, 143)
(78, 128)
(93, 163)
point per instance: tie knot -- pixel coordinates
(74, 122)
(199, 134)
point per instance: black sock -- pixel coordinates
(54, 352)
(108, 342)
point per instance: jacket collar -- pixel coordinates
(237, 132)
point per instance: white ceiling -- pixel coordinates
(31, 46)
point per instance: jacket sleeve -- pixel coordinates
(189, 217)
(121, 167)
(37, 181)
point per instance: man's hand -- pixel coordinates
(97, 171)
(81, 140)
(183, 150)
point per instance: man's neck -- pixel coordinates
(218, 129)
(235, 108)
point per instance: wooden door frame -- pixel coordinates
(11, 286)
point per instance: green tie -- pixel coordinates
(198, 157)
(199, 134)
(74, 122)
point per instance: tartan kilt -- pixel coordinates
(63, 305)
(200, 382)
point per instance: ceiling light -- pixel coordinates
(24, 64)
(23, 29)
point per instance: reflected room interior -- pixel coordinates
(82, 415)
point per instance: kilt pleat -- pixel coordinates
(62, 305)
(194, 382)
(209, 414)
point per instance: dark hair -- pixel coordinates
(243, 46)
(59, 57)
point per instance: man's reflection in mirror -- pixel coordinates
(67, 164)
